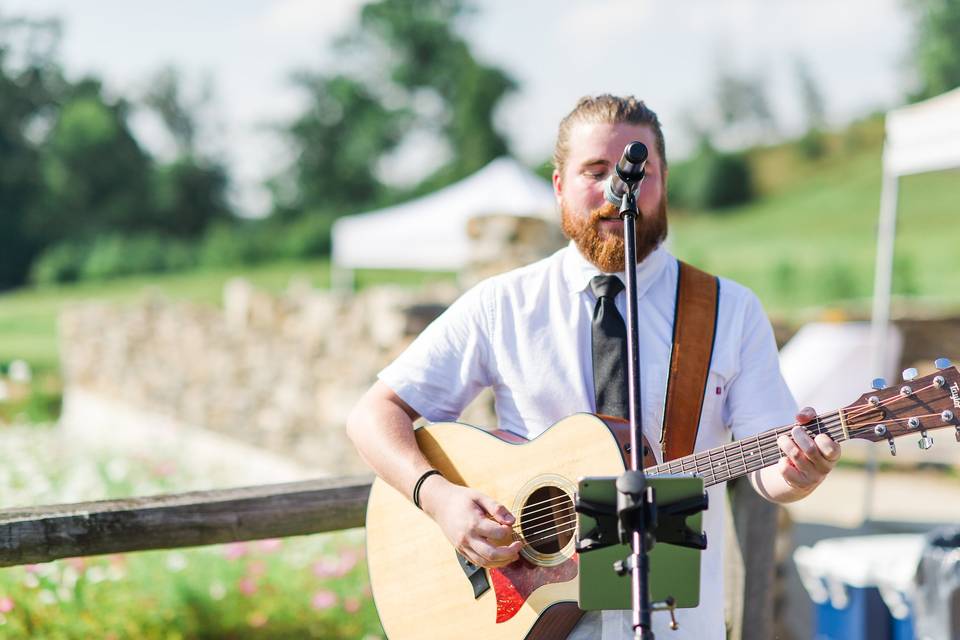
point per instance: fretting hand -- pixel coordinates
(806, 460)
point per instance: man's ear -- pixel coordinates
(557, 186)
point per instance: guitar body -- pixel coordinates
(421, 589)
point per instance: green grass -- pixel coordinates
(811, 242)
(28, 317)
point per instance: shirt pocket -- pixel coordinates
(712, 424)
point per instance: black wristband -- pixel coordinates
(416, 487)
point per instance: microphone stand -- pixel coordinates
(636, 515)
(636, 506)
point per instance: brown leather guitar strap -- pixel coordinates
(694, 333)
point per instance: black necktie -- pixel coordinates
(609, 348)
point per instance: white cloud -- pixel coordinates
(317, 18)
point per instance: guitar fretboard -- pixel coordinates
(741, 457)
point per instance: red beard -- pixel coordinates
(606, 250)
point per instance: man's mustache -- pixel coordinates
(605, 212)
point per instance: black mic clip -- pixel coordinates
(627, 174)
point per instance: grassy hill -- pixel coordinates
(807, 242)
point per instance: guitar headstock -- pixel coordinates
(917, 406)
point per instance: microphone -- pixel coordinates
(627, 174)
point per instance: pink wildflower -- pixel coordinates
(270, 545)
(235, 550)
(348, 560)
(326, 568)
(257, 568)
(248, 586)
(351, 605)
(6, 604)
(32, 568)
(78, 564)
(324, 600)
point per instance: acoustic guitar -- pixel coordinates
(424, 589)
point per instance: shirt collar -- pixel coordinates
(578, 271)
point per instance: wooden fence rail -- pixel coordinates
(41, 534)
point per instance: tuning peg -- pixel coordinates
(925, 441)
(910, 374)
(882, 431)
(879, 384)
(942, 363)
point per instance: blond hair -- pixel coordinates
(607, 109)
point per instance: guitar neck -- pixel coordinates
(741, 457)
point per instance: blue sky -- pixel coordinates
(558, 51)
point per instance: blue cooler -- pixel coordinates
(861, 586)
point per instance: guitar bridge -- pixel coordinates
(475, 574)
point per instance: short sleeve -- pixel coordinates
(448, 364)
(758, 398)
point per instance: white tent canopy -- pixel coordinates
(919, 138)
(431, 232)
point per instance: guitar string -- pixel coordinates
(570, 519)
(527, 521)
(557, 530)
(830, 420)
(769, 446)
(541, 508)
(552, 535)
(559, 525)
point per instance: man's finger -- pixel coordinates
(828, 447)
(794, 454)
(496, 555)
(793, 476)
(491, 530)
(472, 557)
(805, 443)
(496, 510)
(805, 415)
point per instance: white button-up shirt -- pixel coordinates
(527, 334)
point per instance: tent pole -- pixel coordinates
(880, 317)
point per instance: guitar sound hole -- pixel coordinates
(548, 520)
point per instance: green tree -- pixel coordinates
(189, 193)
(812, 144)
(744, 109)
(426, 53)
(337, 142)
(936, 50)
(95, 175)
(29, 87)
(402, 51)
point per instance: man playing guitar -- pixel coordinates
(527, 334)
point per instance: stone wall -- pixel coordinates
(279, 372)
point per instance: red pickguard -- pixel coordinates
(514, 583)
